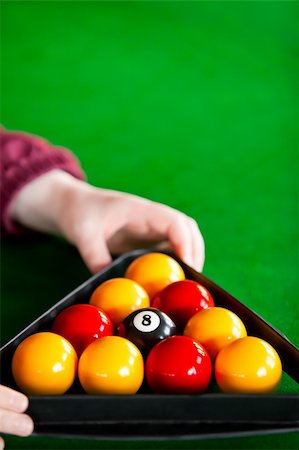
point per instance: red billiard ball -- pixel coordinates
(146, 327)
(182, 299)
(178, 365)
(82, 324)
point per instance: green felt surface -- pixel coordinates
(193, 104)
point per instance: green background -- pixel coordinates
(192, 104)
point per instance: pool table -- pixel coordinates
(192, 104)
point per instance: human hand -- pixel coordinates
(100, 221)
(12, 420)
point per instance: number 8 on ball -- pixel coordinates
(146, 321)
(146, 327)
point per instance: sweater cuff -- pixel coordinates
(18, 171)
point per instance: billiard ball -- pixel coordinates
(111, 365)
(183, 299)
(44, 364)
(118, 297)
(81, 324)
(248, 365)
(215, 328)
(154, 271)
(178, 365)
(146, 327)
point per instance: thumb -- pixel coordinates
(94, 252)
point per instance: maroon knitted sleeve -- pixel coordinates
(22, 159)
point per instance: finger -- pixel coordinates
(2, 445)
(12, 400)
(183, 233)
(14, 423)
(94, 252)
(198, 245)
(170, 224)
(180, 239)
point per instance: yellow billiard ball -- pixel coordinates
(248, 365)
(119, 297)
(215, 328)
(44, 364)
(154, 271)
(111, 365)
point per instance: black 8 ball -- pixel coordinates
(146, 327)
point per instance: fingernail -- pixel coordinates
(198, 267)
(25, 426)
(189, 262)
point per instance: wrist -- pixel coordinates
(40, 203)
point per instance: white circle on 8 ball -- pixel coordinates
(146, 321)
